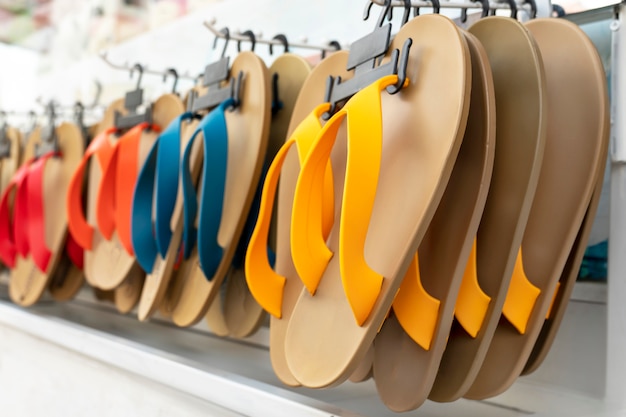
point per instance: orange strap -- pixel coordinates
(416, 310)
(472, 303)
(520, 298)
(266, 285)
(81, 231)
(115, 194)
(362, 285)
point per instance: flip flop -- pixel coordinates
(156, 239)
(43, 221)
(577, 121)
(69, 277)
(81, 225)
(521, 105)
(277, 292)
(115, 193)
(234, 155)
(565, 287)
(127, 294)
(242, 314)
(412, 340)
(330, 332)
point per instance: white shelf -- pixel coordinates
(236, 377)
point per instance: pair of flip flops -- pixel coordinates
(33, 225)
(201, 175)
(531, 154)
(112, 162)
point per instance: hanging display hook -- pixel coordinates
(225, 32)
(251, 36)
(237, 37)
(174, 74)
(283, 39)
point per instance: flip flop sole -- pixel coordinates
(111, 262)
(423, 126)
(248, 130)
(29, 283)
(242, 314)
(404, 371)
(575, 147)
(519, 83)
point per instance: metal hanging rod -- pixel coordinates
(455, 4)
(104, 56)
(278, 40)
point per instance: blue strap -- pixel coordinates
(160, 172)
(213, 128)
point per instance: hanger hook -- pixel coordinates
(250, 36)
(381, 18)
(283, 39)
(486, 7)
(533, 8)
(513, 7)
(437, 6)
(226, 34)
(138, 68)
(407, 12)
(173, 73)
(335, 44)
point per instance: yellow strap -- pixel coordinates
(266, 285)
(361, 284)
(520, 298)
(416, 310)
(472, 303)
(556, 292)
(308, 243)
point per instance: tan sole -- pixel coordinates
(242, 314)
(28, 283)
(520, 90)
(324, 344)
(404, 371)
(248, 130)
(577, 122)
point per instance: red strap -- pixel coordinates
(36, 220)
(74, 251)
(8, 249)
(79, 229)
(115, 195)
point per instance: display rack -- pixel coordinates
(584, 375)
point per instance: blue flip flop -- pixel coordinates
(157, 184)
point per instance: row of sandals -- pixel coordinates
(415, 210)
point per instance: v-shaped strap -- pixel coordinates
(416, 310)
(8, 229)
(115, 194)
(158, 176)
(267, 286)
(81, 231)
(211, 193)
(362, 285)
(520, 298)
(36, 223)
(472, 303)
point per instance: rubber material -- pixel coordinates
(266, 285)
(158, 176)
(115, 193)
(211, 194)
(80, 230)
(361, 284)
